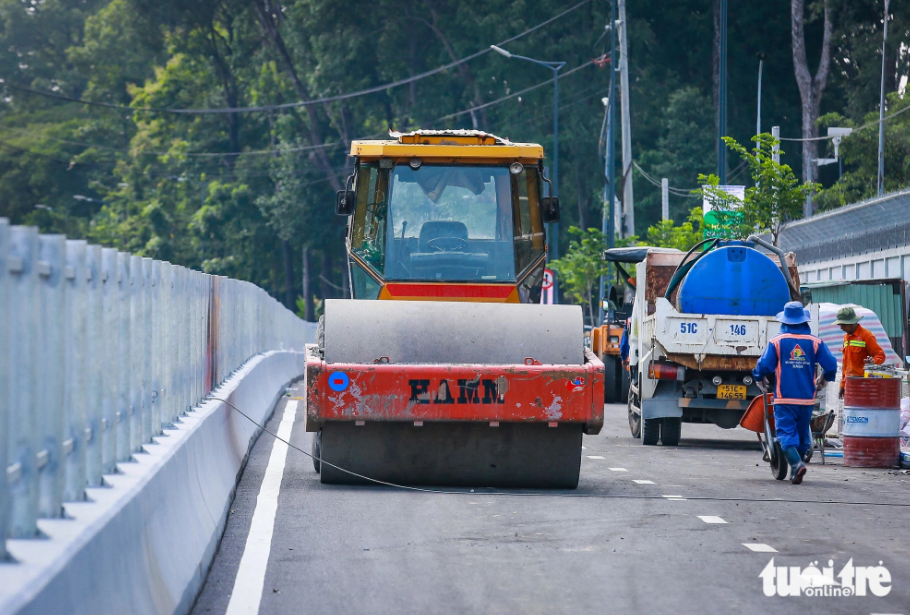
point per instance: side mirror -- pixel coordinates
(549, 209)
(344, 202)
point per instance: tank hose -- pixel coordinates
(543, 493)
(684, 267)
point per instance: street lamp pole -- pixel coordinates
(881, 112)
(555, 67)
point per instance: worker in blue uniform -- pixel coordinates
(624, 346)
(792, 357)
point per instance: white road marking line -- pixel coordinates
(671, 496)
(594, 457)
(584, 448)
(618, 470)
(677, 500)
(248, 585)
(643, 482)
(759, 547)
(711, 519)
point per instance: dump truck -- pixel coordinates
(443, 368)
(700, 321)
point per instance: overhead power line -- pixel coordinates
(140, 152)
(674, 191)
(302, 103)
(863, 127)
(514, 94)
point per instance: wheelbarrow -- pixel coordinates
(759, 417)
(819, 426)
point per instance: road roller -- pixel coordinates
(443, 368)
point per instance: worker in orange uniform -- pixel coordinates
(859, 345)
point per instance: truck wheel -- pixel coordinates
(634, 422)
(625, 379)
(316, 450)
(634, 417)
(650, 431)
(611, 379)
(671, 431)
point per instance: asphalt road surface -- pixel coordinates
(617, 544)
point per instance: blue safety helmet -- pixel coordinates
(794, 314)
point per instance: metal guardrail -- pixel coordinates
(99, 351)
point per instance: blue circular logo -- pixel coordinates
(339, 381)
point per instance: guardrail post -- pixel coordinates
(167, 340)
(5, 307)
(95, 342)
(124, 412)
(135, 354)
(156, 339)
(76, 389)
(21, 473)
(51, 361)
(145, 335)
(179, 307)
(110, 359)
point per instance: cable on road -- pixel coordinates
(480, 492)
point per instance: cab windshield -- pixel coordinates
(447, 223)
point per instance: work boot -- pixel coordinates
(797, 467)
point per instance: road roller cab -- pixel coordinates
(447, 215)
(441, 385)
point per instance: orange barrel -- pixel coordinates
(754, 417)
(873, 393)
(872, 422)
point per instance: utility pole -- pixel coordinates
(665, 198)
(881, 114)
(608, 224)
(775, 151)
(628, 204)
(761, 64)
(722, 98)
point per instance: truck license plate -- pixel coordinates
(731, 391)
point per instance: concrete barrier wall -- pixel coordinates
(143, 543)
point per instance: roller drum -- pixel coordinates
(430, 332)
(455, 454)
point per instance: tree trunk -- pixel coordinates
(811, 87)
(269, 26)
(290, 300)
(309, 312)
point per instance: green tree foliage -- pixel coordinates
(666, 234)
(579, 271)
(859, 153)
(776, 197)
(247, 194)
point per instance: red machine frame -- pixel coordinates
(483, 393)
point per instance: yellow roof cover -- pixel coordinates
(445, 144)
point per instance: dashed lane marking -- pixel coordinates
(618, 470)
(643, 482)
(759, 547)
(594, 457)
(671, 496)
(247, 593)
(711, 519)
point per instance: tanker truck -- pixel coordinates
(700, 321)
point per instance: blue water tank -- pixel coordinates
(735, 279)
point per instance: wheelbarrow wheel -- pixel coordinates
(808, 456)
(778, 462)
